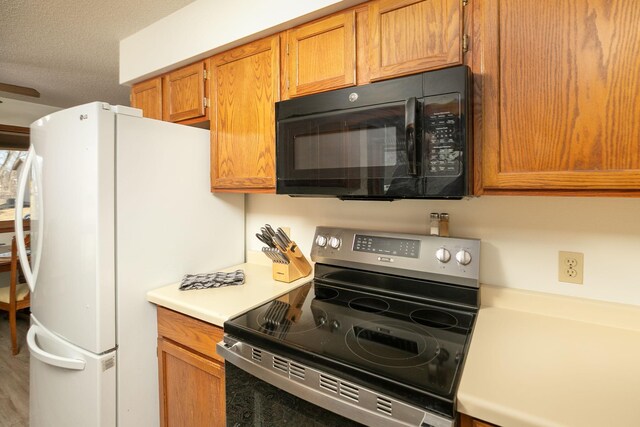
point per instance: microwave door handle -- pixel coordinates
(410, 135)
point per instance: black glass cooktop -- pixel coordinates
(407, 347)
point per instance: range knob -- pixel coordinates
(334, 242)
(463, 257)
(443, 255)
(321, 240)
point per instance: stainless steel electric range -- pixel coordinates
(378, 337)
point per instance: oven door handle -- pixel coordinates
(228, 350)
(410, 109)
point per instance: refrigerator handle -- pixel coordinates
(48, 358)
(29, 274)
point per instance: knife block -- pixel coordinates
(297, 268)
(285, 272)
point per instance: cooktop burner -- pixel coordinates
(369, 305)
(434, 318)
(392, 343)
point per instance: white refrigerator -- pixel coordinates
(120, 204)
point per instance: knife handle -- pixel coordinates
(280, 243)
(285, 238)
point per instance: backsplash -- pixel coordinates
(521, 236)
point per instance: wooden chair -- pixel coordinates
(16, 296)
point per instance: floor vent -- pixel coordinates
(281, 364)
(349, 391)
(384, 405)
(296, 370)
(256, 354)
(329, 383)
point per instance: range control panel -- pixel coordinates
(446, 259)
(387, 246)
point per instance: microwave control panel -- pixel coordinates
(443, 136)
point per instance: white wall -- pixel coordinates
(205, 27)
(521, 236)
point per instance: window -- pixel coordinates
(10, 162)
(14, 141)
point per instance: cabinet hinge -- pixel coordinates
(205, 102)
(287, 84)
(287, 49)
(465, 2)
(465, 43)
(205, 75)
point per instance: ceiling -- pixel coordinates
(68, 50)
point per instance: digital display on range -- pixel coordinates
(387, 246)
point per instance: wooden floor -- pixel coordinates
(14, 375)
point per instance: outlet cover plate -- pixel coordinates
(571, 267)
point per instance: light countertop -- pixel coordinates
(535, 359)
(217, 305)
(542, 360)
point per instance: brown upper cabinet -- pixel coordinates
(557, 93)
(245, 86)
(179, 96)
(148, 97)
(185, 94)
(410, 36)
(320, 56)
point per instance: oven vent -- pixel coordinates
(329, 383)
(281, 364)
(349, 391)
(384, 405)
(256, 354)
(296, 370)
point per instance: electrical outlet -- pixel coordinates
(570, 267)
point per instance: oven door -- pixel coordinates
(254, 402)
(365, 152)
(263, 388)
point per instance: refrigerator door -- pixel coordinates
(68, 385)
(168, 224)
(74, 293)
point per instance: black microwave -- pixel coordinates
(405, 138)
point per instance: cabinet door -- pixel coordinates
(559, 88)
(148, 97)
(321, 56)
(245, 88)
(409, 36)
(467, 421)
(184, 94)
(192, 333)
(191, 388)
